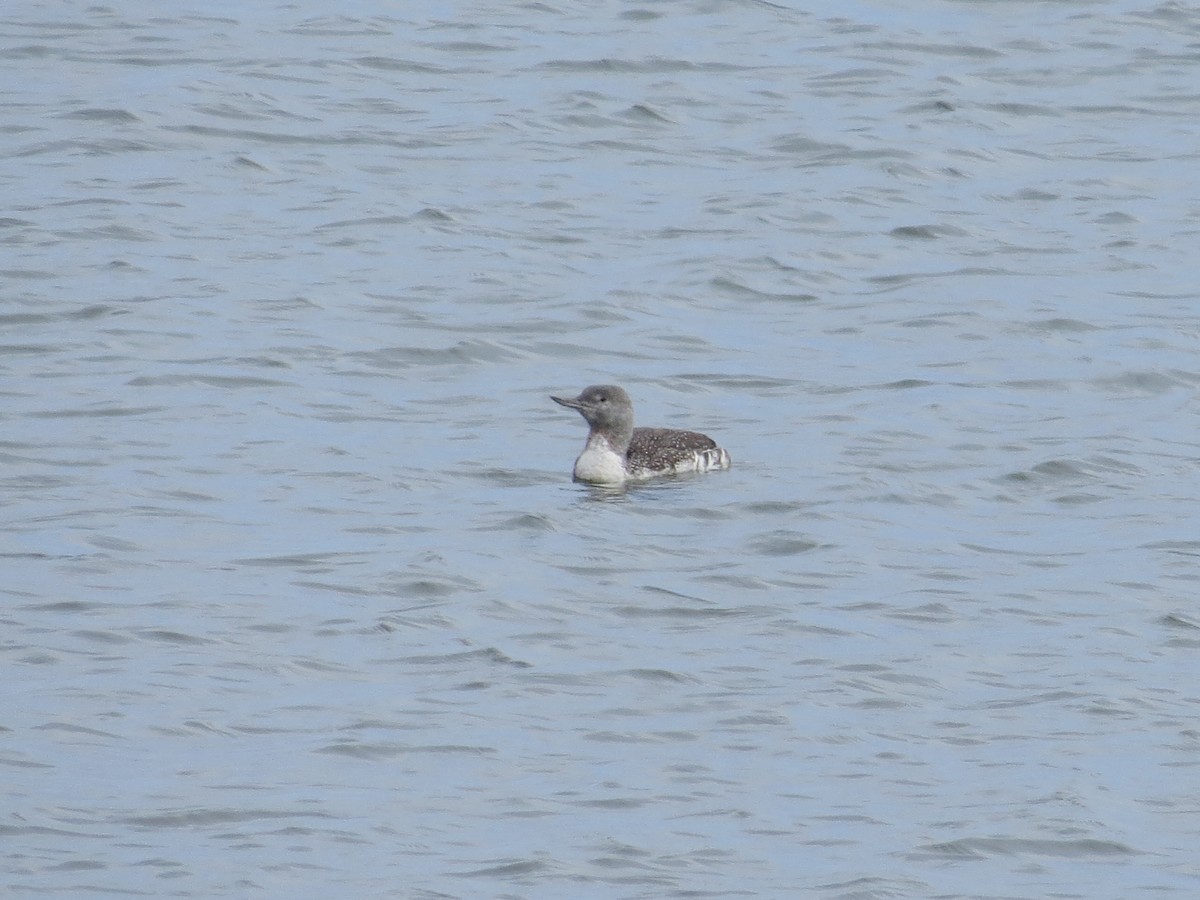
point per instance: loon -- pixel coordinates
(617, 452)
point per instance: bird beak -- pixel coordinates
(570, 403)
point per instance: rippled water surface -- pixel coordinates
(299, 598)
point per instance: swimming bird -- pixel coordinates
(617, 452)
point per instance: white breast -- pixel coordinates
(598, 464)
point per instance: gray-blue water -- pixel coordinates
(299, 599)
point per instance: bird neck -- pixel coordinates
(615, 435)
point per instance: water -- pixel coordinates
(300, 600)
